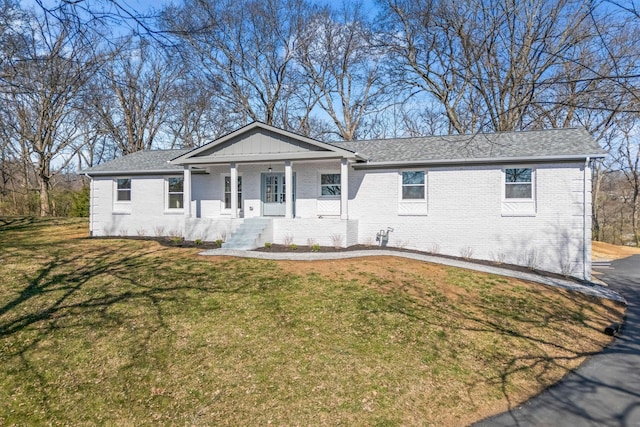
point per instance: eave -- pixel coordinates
(478, 161)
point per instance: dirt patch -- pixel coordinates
(601, 250)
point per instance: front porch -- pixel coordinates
(251, 233)
(276, 174)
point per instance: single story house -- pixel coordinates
(513, 197)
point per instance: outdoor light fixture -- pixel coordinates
(269, 169)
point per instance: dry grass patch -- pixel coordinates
(601, 250)
(125, 332)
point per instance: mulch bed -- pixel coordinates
(207, 245)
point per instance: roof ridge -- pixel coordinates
(463, 135)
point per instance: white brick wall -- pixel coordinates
(465, 212)
(465, 215)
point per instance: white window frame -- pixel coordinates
(505, 184)
(167, 193)
(413, 207)
(320, 185)
(224, 208)
(523, 206)
(118, 190)
(402, 185)
(122, 207)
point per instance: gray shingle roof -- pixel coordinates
(497, 146)
(141, 162)
(485, 147)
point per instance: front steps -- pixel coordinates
(248, 234)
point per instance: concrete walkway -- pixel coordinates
(603, 391)
(590, 289)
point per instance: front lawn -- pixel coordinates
(130, 332)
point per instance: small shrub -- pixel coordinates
(530, 259)
(219, 242)
(287, 240)
(315, 248)
(435, 248)
(267, 245)
(336, 240)
(402, 244)
(176, 239)
(198, 242)
(222, 236)
(498, 257)
(293, 247)
(567, 268)
(466, 252)
(158, 230)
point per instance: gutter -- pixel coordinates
(142, 172)
(586, 274)
(91, 204)
(475, 161)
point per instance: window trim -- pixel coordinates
(118, 190)
(224, 208)
(532, 183)
(413, 207)
(167, 194)
(519, 207)
(320, 185)
(402, 185)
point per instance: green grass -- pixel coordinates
(128, 332)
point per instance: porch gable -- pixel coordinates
(259, 142)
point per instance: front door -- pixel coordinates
(273, 189)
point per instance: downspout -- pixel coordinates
(90, 204)
(586, 275)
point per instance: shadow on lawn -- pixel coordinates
(66, 303)
(57, 296)
(19, 223)
(484, 320)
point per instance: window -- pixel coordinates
(123, 193)
(227, 192)
(176, 192)
(518, 184)
(330, 184)
(413, 185)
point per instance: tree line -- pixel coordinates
(85, 81)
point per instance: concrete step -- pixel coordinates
(246, 235)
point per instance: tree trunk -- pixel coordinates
(45, 208)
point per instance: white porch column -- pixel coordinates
(234, 190)
(344, 189)
(186, 188)
(288, 190)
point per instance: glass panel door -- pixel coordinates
(273, 194)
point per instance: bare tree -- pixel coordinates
(245, 50)
(626, 157)
(494, 65)
(195, 114)
(339, 54)
(43, 80)
(133, 95)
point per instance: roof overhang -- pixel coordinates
(319, 151)
(479, 161)
(143, 172)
